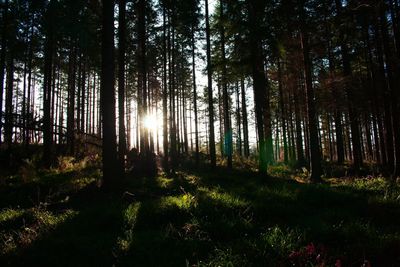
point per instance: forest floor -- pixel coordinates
(209, 218)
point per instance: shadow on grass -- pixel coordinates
(86, 238)
(218, 217)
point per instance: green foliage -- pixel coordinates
(21, 227)
(216, 218)
(225, 257)
(280, 242)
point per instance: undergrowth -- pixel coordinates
(210, 218)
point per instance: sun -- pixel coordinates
(151, 122)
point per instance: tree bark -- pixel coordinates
(121, 84)
(259, 83)
(213, 159)
(225, 96)
(314, 149)
(107, 95)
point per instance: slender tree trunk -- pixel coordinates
(173, 127)
(142, 76)
(354, 124)
(8, 105)
(29, 110)
(259, 82)
(268, 120)
(282, 111)
(121, 84)
(225, 96)
(3, 61)
(196, 123)
(210, 92)
(165, 96)
(47, 89)
(238, 122)
(71, 100)
(246, 149)
(83, 97)
(315, 156)
(301, 161)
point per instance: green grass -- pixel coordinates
(219, 218)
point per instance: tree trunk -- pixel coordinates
(47, 89)
(246, 148)
(259, 82)
(225, 96)
(392, 75)
(213, 159)
(107, 95)
(196, 123)
(8, 105)
(165, 97)
(282, 111)
(121, 84)
(354, 124)
(315, 156)
(3, 62)
(71, 100)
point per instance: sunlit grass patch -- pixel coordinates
(368, 183)
(164, 182)
(224, 198)
(282, 192)
(130, 216)
(281, 171)
(185, 201)
(9, 214)
(26, 226)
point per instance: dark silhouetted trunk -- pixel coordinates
(225, 95)
(3, 62)
(71, 100)
(283, 115)
(196, 123)
(347, 72)
(121, 84)
(107, 95)
(165, 96)
(259, 83)
(210, 93)
(314, 150)
(246, 149)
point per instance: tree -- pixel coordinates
(110, 161)
(121, 83)
(315, 156)
(259, 82)
(210, 92)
